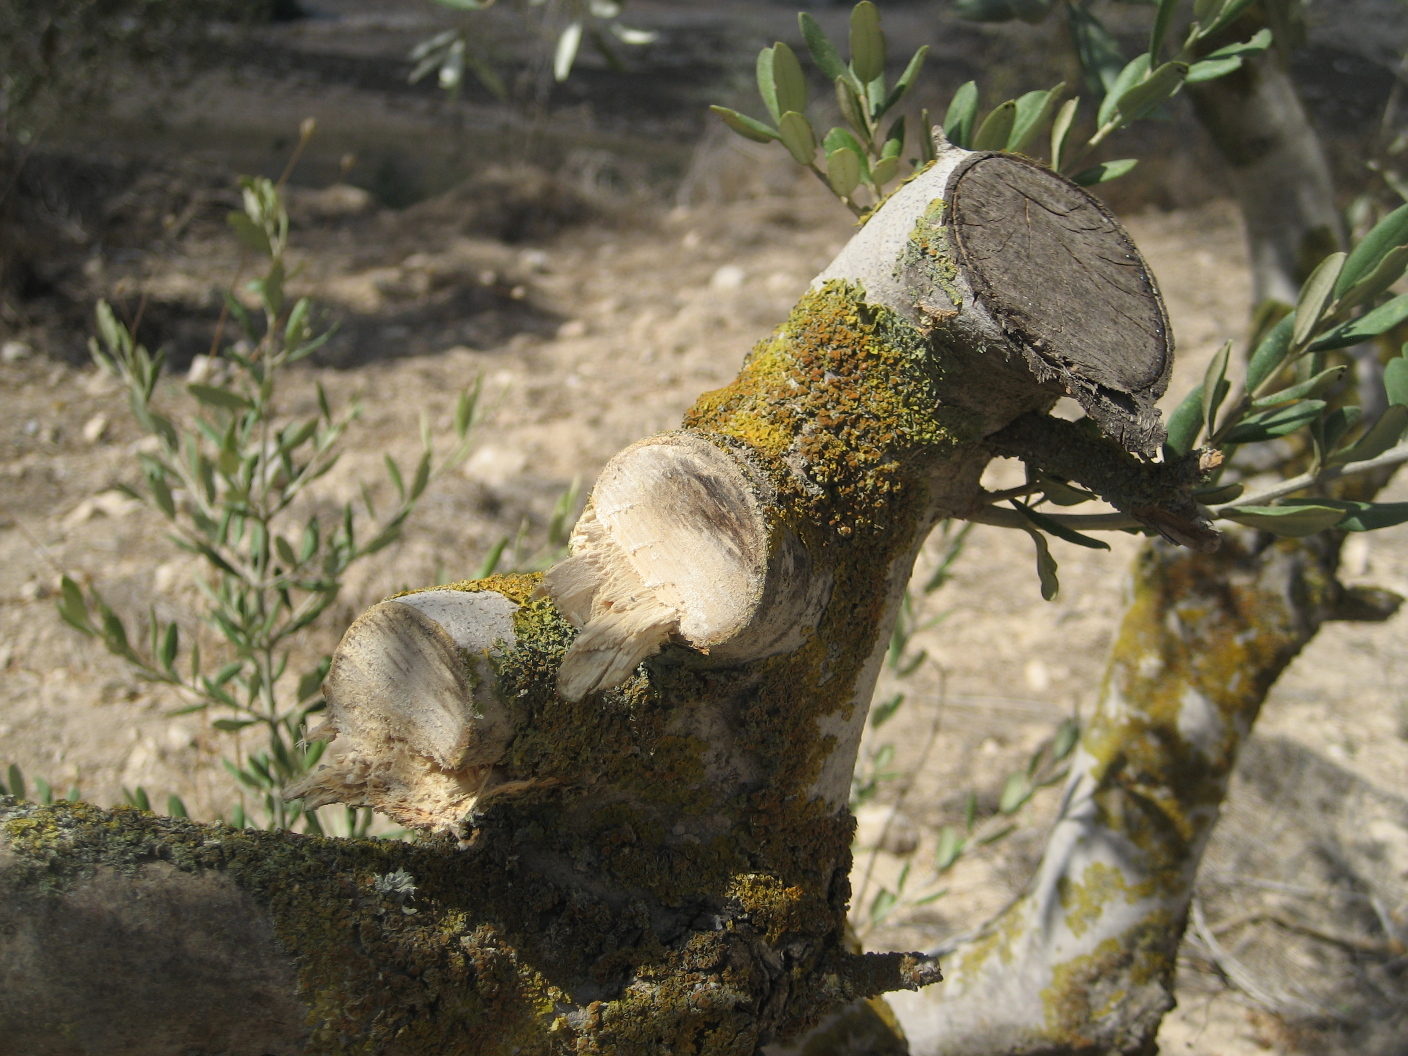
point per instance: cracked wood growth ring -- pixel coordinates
(1067, 286)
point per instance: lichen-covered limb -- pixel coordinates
(1084, 961)
(636, 768)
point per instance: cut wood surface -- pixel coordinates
(1068, 285)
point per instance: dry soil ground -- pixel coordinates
(616, 327)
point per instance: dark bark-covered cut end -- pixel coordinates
(1068, 286)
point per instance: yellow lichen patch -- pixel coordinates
(847, 394)
(1099, 886)
(1085, 989)
(776, 909)
(1000, 941)
(927, 263)
(515, 586)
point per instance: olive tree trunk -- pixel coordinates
(1278, 171)
(631, 773)
(1084, 961)
(1276, 168)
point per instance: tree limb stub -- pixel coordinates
(638, 764)
(1157, 494)
(1069, 288)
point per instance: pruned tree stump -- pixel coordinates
(644, 756)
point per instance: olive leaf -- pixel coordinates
(1388, 234)
(1061, 129)
(1033, 111)
(1155, 89)
(797, 136)
(1371, 516)
(1104, 172)
(1308, 389)
(1045, 566)
(907, 79)
(852, 109)
(1315, 296)
(1279, 421)
(839, 139)
(1215, 386)
(1185, 423)
(1270, 354)
(1134, 71)
(1337, 424)
(962, 112)
(867, 42)
(1058, 529)
(823, 52)
(1216, 496)
(1385, 317)
(1396, 380)
(1162, 18)
(843, 171)
(789, 84)
(1295, 520)
(568, 44)
(996, 128)
(1226, 59)
(746, 126)
(884, 170)
(1378, 438)
(1388, 271)
(767, 86)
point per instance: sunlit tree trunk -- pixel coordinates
(1084, 961)
(1276, 168)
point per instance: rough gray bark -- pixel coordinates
(1084, 961)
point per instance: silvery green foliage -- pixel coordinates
(237, 483)
(861, 157)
